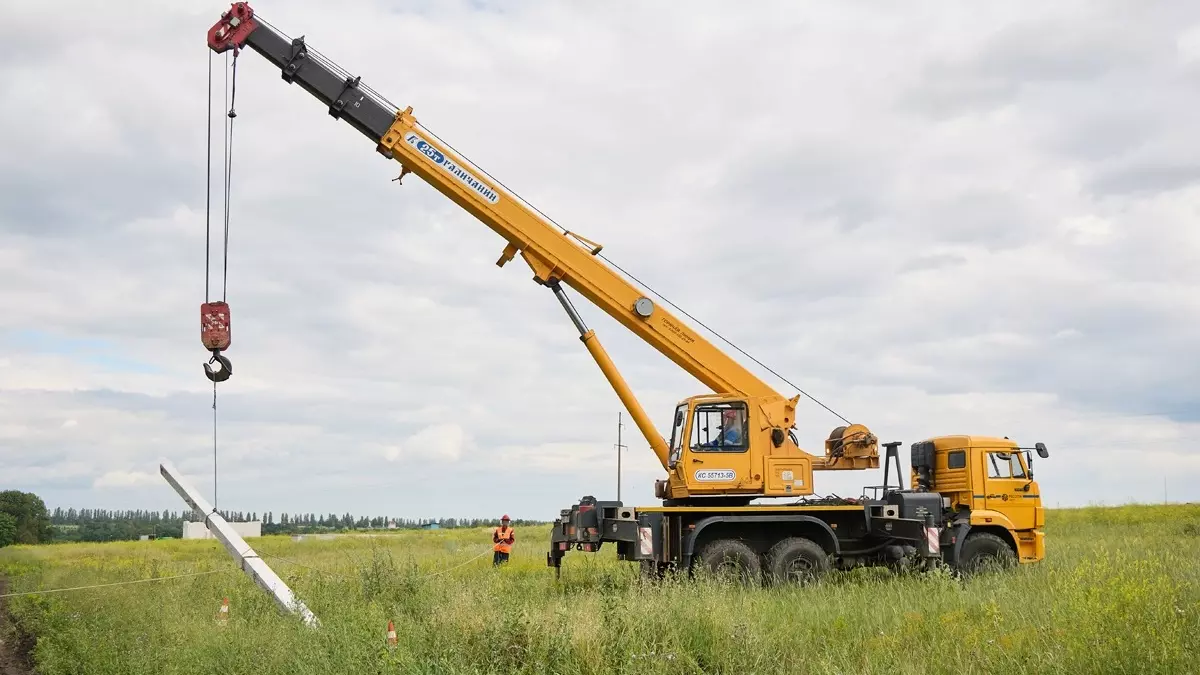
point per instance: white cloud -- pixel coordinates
(442, 442)
(936, 221)
(123, 479)
(1188, 44)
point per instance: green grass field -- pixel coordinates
(1118, 593)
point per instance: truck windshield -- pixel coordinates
(1005, 465)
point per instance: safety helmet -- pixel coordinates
(504, 517)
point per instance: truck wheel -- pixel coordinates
(731, 556)
(982, 551)
(796, 560)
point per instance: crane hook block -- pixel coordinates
(214, 326)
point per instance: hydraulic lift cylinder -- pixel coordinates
(588, 336)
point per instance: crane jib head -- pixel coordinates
(233, 28)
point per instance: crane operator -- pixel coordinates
(731, 431)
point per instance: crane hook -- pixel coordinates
(226, 367)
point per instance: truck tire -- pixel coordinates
(984, 550)
(796, 560)
(723, 556)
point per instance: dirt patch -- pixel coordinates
(16, 648)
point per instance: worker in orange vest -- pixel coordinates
(502, 541)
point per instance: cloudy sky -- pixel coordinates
(935, 219)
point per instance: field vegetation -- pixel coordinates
(1118, 593)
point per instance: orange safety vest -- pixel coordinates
(506, 537)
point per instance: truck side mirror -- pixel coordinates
(1041, 450)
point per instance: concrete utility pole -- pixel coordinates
(619, 447)
(254, 566)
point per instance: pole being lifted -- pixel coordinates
(247, 559)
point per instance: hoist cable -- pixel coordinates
(232, 98)
(225, 252)
(208, 182)
(368, 90)
(633, 278)
(731, 344)
(318, 57)
(214, 407)
(208, 246)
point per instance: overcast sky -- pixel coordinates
(934, 218)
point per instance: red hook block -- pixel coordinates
(214, 326)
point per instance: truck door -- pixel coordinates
(717, 457)
(1004, 487)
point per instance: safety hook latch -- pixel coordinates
(218, 375)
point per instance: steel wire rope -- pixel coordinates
(331, 64)
(231, 101)
(635, 279)
(367, 89)
(208, 246)
(230, 98)
(208, 185)
(115, 583)
(342, 575)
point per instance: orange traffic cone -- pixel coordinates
(391, 634)
(223, 613)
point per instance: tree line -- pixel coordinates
(311, 522)
(24, 519)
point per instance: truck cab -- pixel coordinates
(989, 493)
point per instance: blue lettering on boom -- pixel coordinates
(464, 176)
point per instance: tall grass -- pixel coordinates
(1118, 593)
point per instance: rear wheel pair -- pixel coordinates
(794, 560)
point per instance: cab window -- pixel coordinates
(720, 427)
(1005, 465)
(677, 434)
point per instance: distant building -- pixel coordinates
(431, 526)
(391, 524)
(244, 530)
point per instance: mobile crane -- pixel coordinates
(974, 498)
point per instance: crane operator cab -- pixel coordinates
(740, 448)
